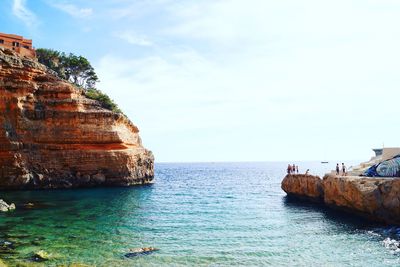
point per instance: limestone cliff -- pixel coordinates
(375, 198)
(52, 136)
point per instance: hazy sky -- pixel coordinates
(236, 80)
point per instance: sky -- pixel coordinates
(236, 80)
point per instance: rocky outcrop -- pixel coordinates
(305, 186)
(52, 136)
(377, 199)
(4, 207)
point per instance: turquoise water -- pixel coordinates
(221, 214)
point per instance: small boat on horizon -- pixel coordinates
(324, 162)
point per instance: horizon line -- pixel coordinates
(259, 161)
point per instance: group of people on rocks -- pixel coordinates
(292, 169)
(338, 169)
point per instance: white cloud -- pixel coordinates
(136, 9)
(262, 79)
(20, 10)
(169, 81)
(73, 10)
(134, 38)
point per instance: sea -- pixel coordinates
(195, 214)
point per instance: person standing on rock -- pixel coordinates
(297, 169)
(337, 169)
(294, 169)
(343, 169)
(289, 169)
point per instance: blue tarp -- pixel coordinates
(387, 168)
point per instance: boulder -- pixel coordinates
(134, 252)
(304, 186)
(98, 178)
(4, 207)
(84, 179)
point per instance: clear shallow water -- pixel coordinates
(220, 214)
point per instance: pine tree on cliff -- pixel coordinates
(79, 71)
(76, 70)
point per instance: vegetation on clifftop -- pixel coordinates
(73, 68)
(105, 100)
(78, 71)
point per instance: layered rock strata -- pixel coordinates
(377, 199)
(52, 136)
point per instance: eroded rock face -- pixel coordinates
(52, 136)
(301, 185)
(376, 198)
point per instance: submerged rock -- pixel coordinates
(6, 244)
(41, 255)
(7, 247)
(29, 205)
(4, 207)
(134, 252)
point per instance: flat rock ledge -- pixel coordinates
(376, 199)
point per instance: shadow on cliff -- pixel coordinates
(339, 217)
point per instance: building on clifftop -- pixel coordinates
(18, 44)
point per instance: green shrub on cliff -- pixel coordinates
(76, 70)
(50, 58)
(105, 100)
